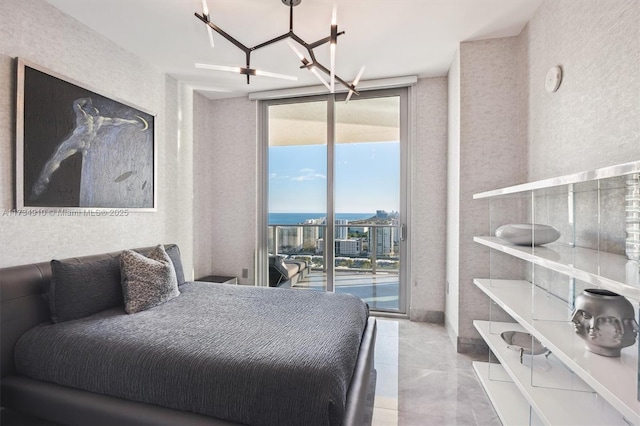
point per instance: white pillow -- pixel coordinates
(147, 281)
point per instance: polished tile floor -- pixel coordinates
(421, 380)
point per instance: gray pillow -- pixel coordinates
(278, 271)
(174, 253)
(147, 281)
(281, 267)
(82, 289)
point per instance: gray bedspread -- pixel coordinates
(257, 356)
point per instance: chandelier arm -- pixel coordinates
(298, 40)
(323, 40)
(347, 85)
(222, 33)
(307, 47)
(312, 55)
(320, 42)
(324, 69)
(273, 40)
(291, 17)
(314, 63)
(248, 57)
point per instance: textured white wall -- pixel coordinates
(34, 30)
(204, 174)
(179, 166)
(452, 308)
(225, 185)
(596, 110)
(491, 155)
(428, 200)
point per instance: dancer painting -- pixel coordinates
(88, 123)
(81, 149)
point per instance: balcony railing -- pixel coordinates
(361, 251)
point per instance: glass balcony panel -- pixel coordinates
(365, 266)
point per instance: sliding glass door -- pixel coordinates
(336, 191)
(368, 228)
(297, 188)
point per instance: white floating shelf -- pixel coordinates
(601, 269)
(511, 406)
(615, 379)
(603, 173)
(554, 406)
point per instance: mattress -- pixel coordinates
(251, 355)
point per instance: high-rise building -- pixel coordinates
(341, 232)
(395, 231)
(348, 247)
(381, 214)
(344, 247)
(384, 240)
(310, 236)
(290, 237)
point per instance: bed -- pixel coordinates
(216, 354)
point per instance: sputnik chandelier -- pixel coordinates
(310, 64)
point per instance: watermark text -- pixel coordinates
(66, 212)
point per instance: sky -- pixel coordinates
(367, 178)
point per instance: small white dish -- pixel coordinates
(527, 234)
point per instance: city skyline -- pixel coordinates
(367, 178)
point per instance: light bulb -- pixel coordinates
(219, 68)
(205, 13)
(274, 75)
(355, 83)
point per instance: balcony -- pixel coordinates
(367, 262)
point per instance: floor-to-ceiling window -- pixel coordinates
(336, 192)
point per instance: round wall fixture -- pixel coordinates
(553, 79)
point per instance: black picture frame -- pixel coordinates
(77, 149)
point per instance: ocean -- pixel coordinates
(296, 218)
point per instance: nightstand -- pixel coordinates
(219, 279)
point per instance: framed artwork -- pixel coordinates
(77, 149)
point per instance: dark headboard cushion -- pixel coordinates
(22, 291)
(24, 305)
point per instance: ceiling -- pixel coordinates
(391, 37)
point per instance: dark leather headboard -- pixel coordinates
(24, 304)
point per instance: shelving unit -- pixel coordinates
(601, 269)
(510, 404)
(573, 385)
(613, 378)
(554, 405)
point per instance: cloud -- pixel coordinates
(275, 176)
(309, 176)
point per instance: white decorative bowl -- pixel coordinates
(526, 234)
